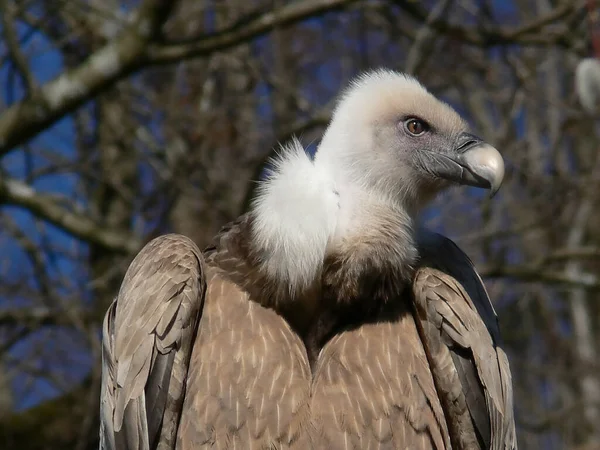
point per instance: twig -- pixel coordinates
(12, 44)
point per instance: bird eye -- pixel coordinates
(416, 127)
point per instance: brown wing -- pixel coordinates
(147, 340)
(460, 332)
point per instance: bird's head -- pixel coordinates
(389, 134)
(390, 147)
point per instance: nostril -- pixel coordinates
(469, 143)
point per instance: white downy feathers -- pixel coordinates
(295, 215)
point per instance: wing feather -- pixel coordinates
(147, 341)
(462, 338)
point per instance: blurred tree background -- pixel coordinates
(122, 120)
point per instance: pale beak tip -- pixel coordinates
(488, 163)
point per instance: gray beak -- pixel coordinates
(473, 162)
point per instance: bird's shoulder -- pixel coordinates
(168, 253)
(440, 253)
(231, 241)
(232, 256)
(462, 337)
(147, 341)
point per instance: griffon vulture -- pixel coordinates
(320, 319)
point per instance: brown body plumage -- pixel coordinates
(392, 343)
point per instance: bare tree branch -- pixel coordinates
(246, 29)
(526, 34)
(111, 63)
(35, 317)
(424, 38)
(12, 43)
(134, 49)
(587, 252)
(46, 207)
(535, 274)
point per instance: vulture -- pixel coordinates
(324, 317)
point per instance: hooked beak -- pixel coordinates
(473, 162)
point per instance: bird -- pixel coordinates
(325, 316)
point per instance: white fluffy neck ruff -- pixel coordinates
(295, 215)
(303, 210)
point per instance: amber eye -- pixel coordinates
(416, 127)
